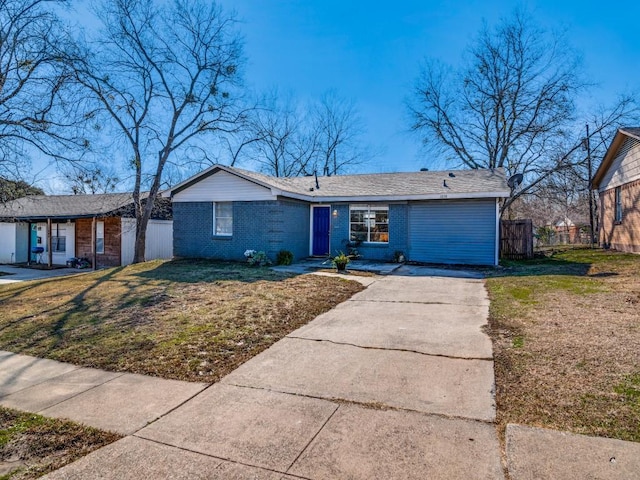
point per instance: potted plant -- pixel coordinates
(340, 261)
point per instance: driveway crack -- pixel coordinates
(408, 350)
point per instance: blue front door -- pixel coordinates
(321, 229)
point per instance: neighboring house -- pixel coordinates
(100, 228)
(618, 183)
(433, 217)
(567, 232)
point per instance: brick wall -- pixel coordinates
(270, 226)
(623, 236)
(398, 215)
(112, 239)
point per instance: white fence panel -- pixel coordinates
(159, 241)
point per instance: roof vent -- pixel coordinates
(424, 169)
(444, 184)
(452, 175)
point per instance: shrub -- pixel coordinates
(285, 257)
(259, 259)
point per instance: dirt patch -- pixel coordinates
(32, 445)
(566, 335)
(183, 320)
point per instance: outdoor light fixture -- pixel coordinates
(335, 213)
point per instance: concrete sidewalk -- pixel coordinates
(23, 274)
(395, 383)
(120, 402)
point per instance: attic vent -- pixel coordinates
(452, 175)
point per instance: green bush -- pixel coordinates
(285, 257)
(259, 259)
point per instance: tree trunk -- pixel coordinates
(141, 239)
(144, 214)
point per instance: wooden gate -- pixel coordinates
(516, 239)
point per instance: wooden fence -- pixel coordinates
(516, 239)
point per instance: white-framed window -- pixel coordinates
(618, 206)
(59, 244)
(369, 223)
(58, 238)
(222, 219)
(100, 237)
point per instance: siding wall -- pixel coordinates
(397, 233)
(453, 232)
(22, 242)
(158, 241)
(625, 167)
(112, 238)
(623, 236)
(8, 242)
(223, 187)
(270, 226)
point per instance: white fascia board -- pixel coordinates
(393, 198)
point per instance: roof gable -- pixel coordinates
(621, 160)
(221, 185)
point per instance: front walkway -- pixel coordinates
(395, 383)
(312, 264)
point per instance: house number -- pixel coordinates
(443, 196)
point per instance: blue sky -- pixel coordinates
(371, 52)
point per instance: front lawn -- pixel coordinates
(32, 445)
(566, 336)
(185, 320)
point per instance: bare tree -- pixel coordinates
(36, 106)
(339, 128)
(287, 139)
(167, 76)
(511, 105)
(91, 180)
(282, 143)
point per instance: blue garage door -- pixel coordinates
(453, 232)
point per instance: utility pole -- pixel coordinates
(591, 223)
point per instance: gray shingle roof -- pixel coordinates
(67, 206)
(387, 185)
(634, 131)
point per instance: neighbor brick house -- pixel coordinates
(618, 183)
(432, 217)
(98, 227)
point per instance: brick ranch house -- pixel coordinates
(618, 183)
(432, 217)
(98, 227)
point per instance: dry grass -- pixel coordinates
(185, 320)
(566, 333)
(32, 445)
